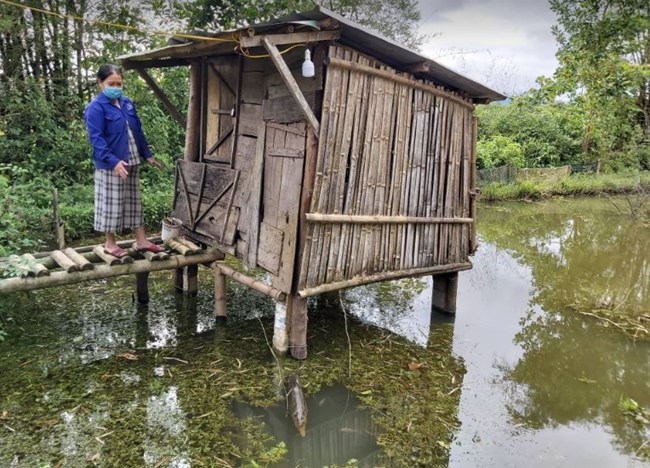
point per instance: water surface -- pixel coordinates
(518, 376)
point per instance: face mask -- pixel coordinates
(112, 92)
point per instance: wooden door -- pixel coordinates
(283, 174)
(203, 199)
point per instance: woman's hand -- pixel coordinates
(120, 169)
(155, 163)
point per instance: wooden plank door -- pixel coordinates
(283, 174)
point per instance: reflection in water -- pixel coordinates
(338, 429)
(543, 381)
(165, 426)
(394, 305)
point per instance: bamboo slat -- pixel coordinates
(389, 75)
(82, 263)
(63, 261)
(390, 181)
(39, 269)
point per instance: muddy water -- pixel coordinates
(518, 376)
(544, 384)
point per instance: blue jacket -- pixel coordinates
(108, 134)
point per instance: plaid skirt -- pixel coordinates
(117, 201)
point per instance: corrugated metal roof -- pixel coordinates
(352, 34)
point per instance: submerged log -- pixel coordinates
(297, 403)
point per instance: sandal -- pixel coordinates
(151, 248)
(117, 252)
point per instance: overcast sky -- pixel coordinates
(505, 44)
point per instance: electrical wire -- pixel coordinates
(116, 25)
(260, 56)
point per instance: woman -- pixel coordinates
(115, 134)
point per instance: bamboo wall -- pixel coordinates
(392, 147)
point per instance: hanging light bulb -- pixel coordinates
(308, 66)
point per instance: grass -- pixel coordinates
(573, 185)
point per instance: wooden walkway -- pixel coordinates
(71, 266)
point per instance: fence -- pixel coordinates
(509, 174)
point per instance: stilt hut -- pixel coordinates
(360, 170)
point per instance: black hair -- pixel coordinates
(107, 70)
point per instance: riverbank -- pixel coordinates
(573, 185)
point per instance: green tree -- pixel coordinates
(546, 133)
(604, 55)
(397, 20)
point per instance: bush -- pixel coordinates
(549, 134)
(497, 151)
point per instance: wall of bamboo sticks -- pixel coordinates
(394, 148)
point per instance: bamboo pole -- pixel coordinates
(59, 228)
(219, 294)
(392, 76)
(40, 270)
(64, 262)
(109, 259)
(252, 283)
(474, 193)
(82, 263)
(61, 278)
(179, 247)
(383, 276)
(195, 249)
(381, 219)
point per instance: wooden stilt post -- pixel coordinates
(142, 287)
(219, 295)
(297, 315)
(445, 289)
(186, 280)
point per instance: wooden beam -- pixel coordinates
(290, 81)
(219, 142)
(291, 38)
(422, 67)
(154, 63)
(377, 219)
(385, 276)
(163, 97)
(192, 132)
(389, 75)
(222, 79)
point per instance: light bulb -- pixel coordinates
(308, 66)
